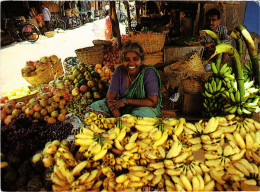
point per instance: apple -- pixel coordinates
(83, 88)
(50, 100)
(30, 63)
(75, 91)
(37, 107)
(3, 115)
(97, 66)
(8, 119)
(63, 101)
(19, 105)
(43, 112)
(61, 117)
(63, 111)
(44, 95)
(50, 109)
(51, 120)
(54, 58)
(8, 108)
(90, 83)
(56, 98)
(16, 112)
(61, 106)
(66, 97)
(55, 114)
(55, 105)
(4, 99)
(57, 92)
(37, 115)
(43, 59)
(29, 111)
(43, 102)
(45, 89)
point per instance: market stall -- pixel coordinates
(50, 141)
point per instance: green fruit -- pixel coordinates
(76, 72)
(88, 95)
(77, 85)
(91, 68)
(96, 95)
(94, 74)
(88, 77)
(75, 81)
(90, 83)
(83, 82)
(80, 76)
(94, 89)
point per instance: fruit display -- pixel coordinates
(10, 109)
(33, 68)
(111, 55)
(87, 84)
(227, 91)
(24, 137)
(159, 153)
(50, 103)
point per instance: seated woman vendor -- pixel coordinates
(134, 88)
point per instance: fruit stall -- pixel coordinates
(51, 142)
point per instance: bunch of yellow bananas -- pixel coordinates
(100, 121)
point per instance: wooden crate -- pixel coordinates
(153, 58)
(192, 104)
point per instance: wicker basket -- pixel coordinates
(150, 42)
(46, 75)
(91, 55)
(192, 87)
(26, 98)
(102, 42)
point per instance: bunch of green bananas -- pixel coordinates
(222, 97)
(248, 72)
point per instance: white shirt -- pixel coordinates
(46, 14)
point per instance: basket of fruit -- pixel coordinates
(91, 55)
(69, 63)
(42, 71)
(151, 42)
(101, 42)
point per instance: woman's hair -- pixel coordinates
(131, 47)
(213, 12)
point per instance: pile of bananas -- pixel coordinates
(100, 120)
(221, 96)
(142, 152)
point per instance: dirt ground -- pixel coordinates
(64, 44)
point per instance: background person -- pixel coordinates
(134, 88)
(46, 16)
(213, 24)
(108, 26)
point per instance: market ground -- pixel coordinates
(14, 57)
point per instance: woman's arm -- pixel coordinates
(112, 104)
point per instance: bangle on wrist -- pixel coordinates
(124, 100)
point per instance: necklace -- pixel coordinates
(129, 78)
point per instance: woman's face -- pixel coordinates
(132, 63)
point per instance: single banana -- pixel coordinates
(249, 141)
(210, 186)
(173, 172)
(182, 157)
(195, 183)
(144, 128)
(101, 154)
(121, 135)
(186, 182)
(247, 165)
(161, 140)
(121, 178)
(201, 183)
(241, 168)
(82, 179)
(92, 176)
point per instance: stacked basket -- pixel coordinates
(91, 55)
(150, 42)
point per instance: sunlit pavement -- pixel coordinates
(14, 57)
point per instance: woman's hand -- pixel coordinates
(115, 104)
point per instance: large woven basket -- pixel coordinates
(46, 75)
(102, 42)
(150, 42)
(191, 86)
(91, 55)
